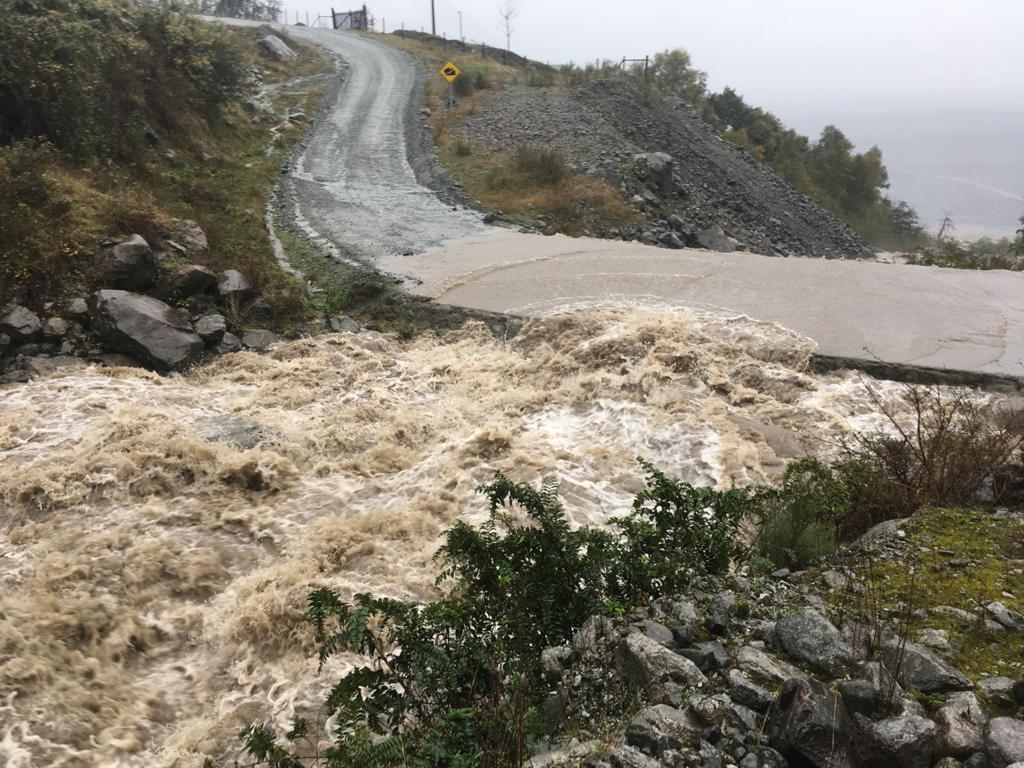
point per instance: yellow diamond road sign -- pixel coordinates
(449, 71)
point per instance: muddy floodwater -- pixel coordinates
(159, 536)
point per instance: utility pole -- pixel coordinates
(433, 20)
(462, 37)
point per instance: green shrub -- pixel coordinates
(457, 682)
(799, 522)
(470, 81)
(542, 167)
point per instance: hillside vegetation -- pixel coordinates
(118, 118)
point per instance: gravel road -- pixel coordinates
(353, 185)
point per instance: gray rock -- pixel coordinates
(901, 742)
(258, 310)
(41, 367)
(258, 339)
(711, 709)
(1004, 616)
(234, 430)
(873, 693)
(720, 610)
(658, 632)
(234, 287)
(212, 327)
(5, 342)
(77, 309)
(921, 670)
(131, 265)
(554, 661)
(948, 762)
(656, 169)
(809, 637)
(671, 240)
(193, 280)
(961, 723)
(661, 727)
(996, 686)
(564, 757)
(588, 636)
(682, 611)
(277, 48)
(1005, 742)
(762, 666)
(344, 324)
(628, 757)
(708, 656)
(229, 343)
(714, 239)
(55, 328)
(19, 323)
(643, 661)
(810, 724)
(191, 236)
(834, 580)
(743, 691)
(146, 329)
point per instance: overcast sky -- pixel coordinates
(785, 55)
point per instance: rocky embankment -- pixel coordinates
(691, 186)
(793, 669)
(157, 308)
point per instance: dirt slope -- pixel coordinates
(602, 126)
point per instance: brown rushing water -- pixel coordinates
(153, 575)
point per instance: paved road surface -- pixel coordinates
(945, 318)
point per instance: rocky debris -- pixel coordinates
(756, 662)
(720, 610)
(1005, 742)
(233, 287)
(234, 430)
(644, 661)
(77, 309)
(228, 343)
(19, 323)
(55, 328)
(554, 661)
(873, 694)
(1003, 616)
(743, 691)
(810, 638)
(603, 127)
(258, 339)
(906, 741)
(277, 48)
(145, 328)
(564, 757)
(192, 280)
(961, 727)
(211, 327)
(131, 265)
(809, 724)
(708, 656)
(920, 669)
(594, 629)
(660, 727)
(41, 367)
(258, 311)
(344, 324)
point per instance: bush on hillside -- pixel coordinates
(949, 452)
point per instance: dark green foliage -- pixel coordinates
(799, 523)
(457, 682)
(470, 81)
(675, 531)
(542, 166)
(260, 10)
(981, 254)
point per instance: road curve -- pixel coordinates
(353, 185)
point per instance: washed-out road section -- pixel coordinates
(354, 187)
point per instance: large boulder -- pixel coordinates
(19, 323)
(258, 339)
(644, 661)
(873, 694)
(919, 669)
(131, 265)
(809, 637)
(810, 726)
(1005, 744)
(145, 328)
(907, 741)
(656, 170)
(961, 726)
(193, 280)
(765, 668)
(277, 48)
(190, 238)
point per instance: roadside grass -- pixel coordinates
(57, 204)
(531, 183)
(986, 564)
